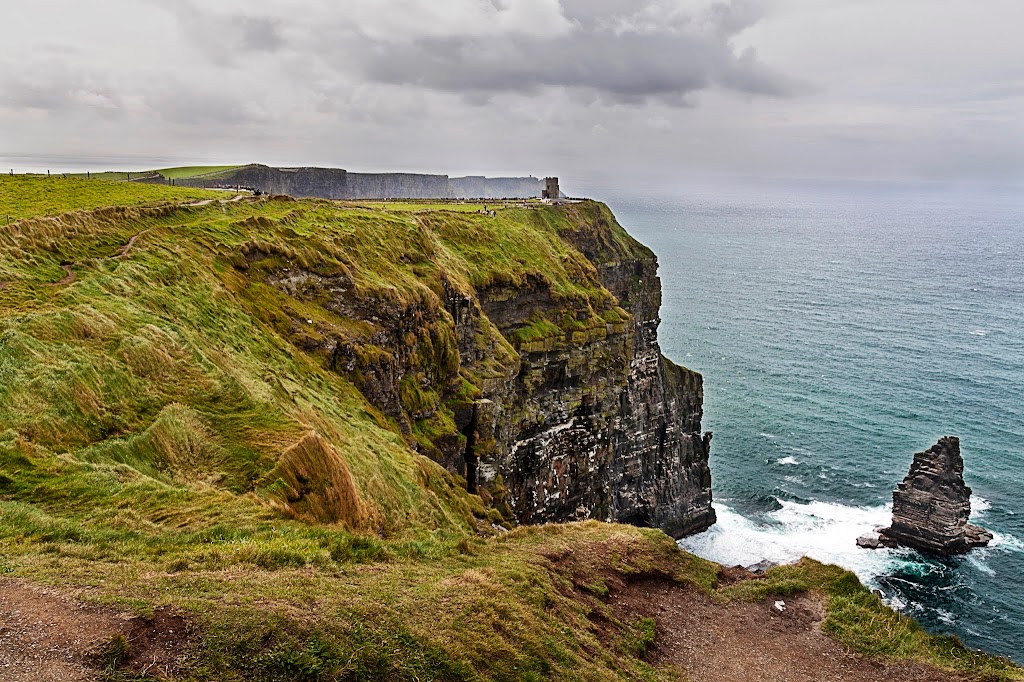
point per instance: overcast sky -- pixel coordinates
(587, 89)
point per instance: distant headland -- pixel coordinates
(337, 183)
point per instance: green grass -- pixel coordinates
(192, 171)
(430, 206)
(107, 175)
(25, 196)
(175, 430)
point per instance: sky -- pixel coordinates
(631, 92)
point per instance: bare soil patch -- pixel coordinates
(742, 642)
(46, 636)
(67, 278)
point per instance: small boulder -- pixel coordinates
(762, 566)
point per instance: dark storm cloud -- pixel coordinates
(627, 52)
(624, 51)
(626, 67)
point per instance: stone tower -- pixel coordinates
(551, 190)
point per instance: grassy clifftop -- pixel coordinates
(25, 196)
(173, 433)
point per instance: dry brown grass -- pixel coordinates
(316, 484)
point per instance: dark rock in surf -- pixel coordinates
(931, 507)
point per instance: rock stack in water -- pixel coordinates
(931, 506)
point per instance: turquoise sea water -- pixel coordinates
(839, 331)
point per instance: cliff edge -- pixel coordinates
(595, 421)
(543, 386)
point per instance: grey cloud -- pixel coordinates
(185, 104)
(226, 37)
(621, 52)
(54, 86)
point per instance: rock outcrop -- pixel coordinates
(554, 403)
(599, 424)
(932, 505)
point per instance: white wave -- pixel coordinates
(979, 563)
(979, 332)
(1006, 543)
(979, 505)
(769, 436)
(824, 531)
(792, 461)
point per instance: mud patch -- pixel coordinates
(155, 644)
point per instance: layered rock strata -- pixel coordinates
(553, 406)
(932, 505)
(601, 425)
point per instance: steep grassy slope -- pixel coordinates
(175, 429)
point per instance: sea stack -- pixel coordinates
(931, 506)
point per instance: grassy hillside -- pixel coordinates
(172, 433)
(192, 171)
(24, 196)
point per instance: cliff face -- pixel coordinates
(599, 424)
(554, 405)
(335, 183)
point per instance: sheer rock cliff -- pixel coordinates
(554, 405)
(336, 183)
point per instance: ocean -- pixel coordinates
(840, 329)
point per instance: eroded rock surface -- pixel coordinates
(555, 406)
(932, 505)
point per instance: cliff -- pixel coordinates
(228, 431)
(335, 183)
(545, 389)
(518, 351)
(600, 424)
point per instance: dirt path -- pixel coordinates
(753, 642)
(44, 636)
(49, 637)
(123, 251)
(66, 279)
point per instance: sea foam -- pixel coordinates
(824, 531)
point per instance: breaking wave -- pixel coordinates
(824, 531)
